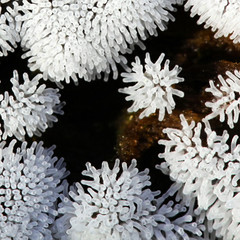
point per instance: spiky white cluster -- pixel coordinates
(30, 183)
(210, 173)
(153, 89)
(226, 99)
(119, 206)
(31, 108)
(8, 34)
(221, 15)
(116, 206)
(81, 38)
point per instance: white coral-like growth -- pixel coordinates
(210, 173)
(175, 217)
(115, 207)
(221, 15)
(119, 206)
(226, 98)
(31, 108)
(82, 38)
(30, 183)
(154, 87)
(8, 34)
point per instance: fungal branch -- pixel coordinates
(31, 181)
(8, 34)
(208, 173)
(31, 108)
(81, 39)
(221, 16)
(226, 98)
(153, 88)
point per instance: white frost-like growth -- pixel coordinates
(119, 206)
(226, 98)
(31, 181)
(153, 89)
(82, 38)
(31, 108)
(221, 15)
(8, 34)
(208, 169)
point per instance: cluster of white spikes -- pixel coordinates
(208, 172)
(153, 89)
(31, 108)
(81, 39)
(226, 98)
(220, 15)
